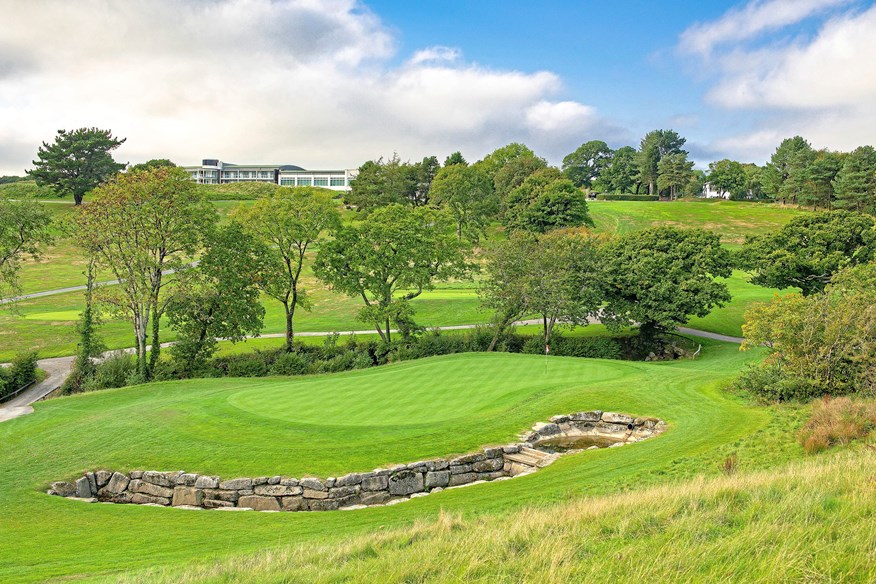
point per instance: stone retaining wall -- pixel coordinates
(354, 490)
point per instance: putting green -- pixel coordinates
(334, 424)
(65, 315)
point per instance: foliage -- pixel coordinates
(24, 229)
(77, 161)
(466, 192)
(785, 174)
(9, 179)
(544, 201)
(514, 172)
(220, 298)
(90, 345)
(455, 158)
(240, 191)
(140, 225)
(500, 157)
(837, 421)
(116, 370)
(25, 189)
(389, 259)
(627, 197)
(728, 177)
(619, 174)
(21, 372)
(585, 165)
(382, 183)
(807, 251)
(661, 276)
(656, 145)
(153, 163)
(674, 173)
(820, 179)
(856, 181)
(288, 222)
(554, 275)
(820, 344)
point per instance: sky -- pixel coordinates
(332, 83)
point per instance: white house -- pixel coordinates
(213, 171)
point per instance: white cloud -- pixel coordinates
(753, 19)
(298, 81)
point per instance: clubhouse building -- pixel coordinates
(215, 172)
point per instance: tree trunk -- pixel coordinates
(290, 333)
(156, 343)
(77, 198)
(388, 332)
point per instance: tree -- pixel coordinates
(381, 183)
(24, 229)
(145, 227)
(514, 172)
(856, 181)
(288, 222)
(389, 259)
(786, 164)
(455, 158)
(820, 176)
(662, 276)
(554, 275)
(653, 148)
(77, 161)
(807, 251)
(754, 180)
(675, 172)
(90, 345)
(820, 344)
(546, 201)
(585, 164)
(727, 177)
(466, 192)
(221, 297)
(619, 174)
(423, 174)
(153, 163)
(501, 156)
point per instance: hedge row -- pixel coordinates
(613, 197)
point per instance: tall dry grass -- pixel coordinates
(813, 521)
(837, 421)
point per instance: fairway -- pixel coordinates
(329, 425)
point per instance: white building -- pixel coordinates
(214, 172)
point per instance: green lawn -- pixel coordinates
(732, 220)
(328, 425)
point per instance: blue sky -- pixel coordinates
(332, 83)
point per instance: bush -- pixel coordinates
(290, 364)
(837, 421)
(614, 197)
(769, 382)
(589, 347)
(115, 370)
(251, 365)
(23, 370)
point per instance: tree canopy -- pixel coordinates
(656, 145)
(466, 192)
(390, 258)
(24, 229)
(288, 221)
(76, 162)
(584, 165)
(856, 181)
(662, 276)
(727, 177)
(807, 251)
(546, 200)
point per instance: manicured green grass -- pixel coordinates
(732, 220)
(328, 425)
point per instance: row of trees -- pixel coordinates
(511, 184)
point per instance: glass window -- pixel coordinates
(337, 181)
(305, 181)
(320, 182)
(287, 182)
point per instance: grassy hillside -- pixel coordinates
(356, 421)
(813, 521)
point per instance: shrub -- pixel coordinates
(114, 371)
(23, 370)
(250, 365)
(590, 347)
(627, 197)
(768, 381)
(837, 421)
(290, 364)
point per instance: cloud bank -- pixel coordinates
(275, 81)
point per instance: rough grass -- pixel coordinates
(813, 521)
(327, 425)
(837, 421)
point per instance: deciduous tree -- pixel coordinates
(584, 165)
(546, 200)
(466, 192)
(389, 259)
(24, 230)
(289, 221)
(727, 177)
(807, 251)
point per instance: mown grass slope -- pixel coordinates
(807, 522)
(328, 425)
